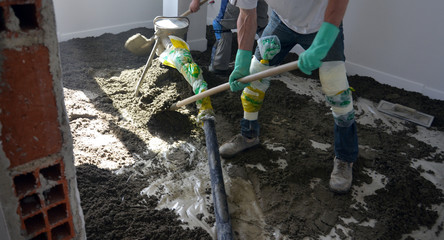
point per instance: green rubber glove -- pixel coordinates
(241, 69)
(311, 58)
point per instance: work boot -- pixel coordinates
(236, 145)
(341, 176)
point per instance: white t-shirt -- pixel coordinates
(302, 16)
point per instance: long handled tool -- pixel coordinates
(147, 65)
(189, 11)
(250, 78)
(140, 45)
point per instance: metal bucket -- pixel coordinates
(166, 26)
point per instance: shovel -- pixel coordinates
(250, 78)
(140, 45)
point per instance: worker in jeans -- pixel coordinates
(224, 22)
(317, 27)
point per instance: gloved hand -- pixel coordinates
(241, 69)
(311, 58)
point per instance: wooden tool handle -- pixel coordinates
(250, 78)
(189, 12)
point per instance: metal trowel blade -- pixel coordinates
(405, 113)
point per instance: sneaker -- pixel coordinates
(341, 176)
(236, 145)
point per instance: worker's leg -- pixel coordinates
(222, 25)
(335, 86)
(221, 51)
(252, 98)
(253, 95)
(338, 95)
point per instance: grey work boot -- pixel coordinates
(341, 176)
(236, 145)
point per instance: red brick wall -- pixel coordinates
(29, 112)
(32, 136)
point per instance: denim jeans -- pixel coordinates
(345, 137)
(249, 128)
(346, 142)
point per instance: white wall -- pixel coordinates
(83, 18)
(213, 10)
(397, 42)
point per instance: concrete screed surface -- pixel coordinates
(143, 174)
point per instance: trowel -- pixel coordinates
(405, 113)
(141, 45)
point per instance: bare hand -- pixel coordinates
(194, 6)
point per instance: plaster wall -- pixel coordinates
(85, 18)
(397, 42)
